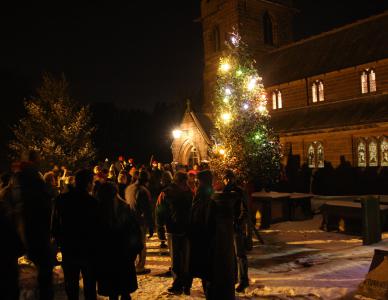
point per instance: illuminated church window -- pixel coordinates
(372, 149)
(372, 81)
(368, 81)
(317, 91)
(316, 155)
(384, 152)
(364, 82)
(361, 154)
(311, 156)
(320, 156)
(194, 156)
(277, 101)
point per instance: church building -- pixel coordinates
(327, 94)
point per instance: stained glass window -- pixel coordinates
(320, 156)
(314, 92)
(384, 152)
(361, 154)
(364, 82)
(280, 101)
(372, 81)
(372, 147)
(274, 100)
(194, 156)
(321, 95)
(311, 156)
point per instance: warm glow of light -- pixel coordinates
(226, 100)
(262, 109)
(226, 117)
(246, 106)
(228, 91)
(263, 96)
(251, 84)
(176, 133)
(239, 72)
(225, 67)
(222, 151)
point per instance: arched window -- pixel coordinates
(267, 29)
(364, 82)
(373, 153)
(361, 153)
(193, 157)
(216, 39)
(316, 155)
(372, 81)
(311, 156)
(317, 91)
(320, 156)
(277, 101)
(384, 152)
(368, 81)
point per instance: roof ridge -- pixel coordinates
(331, 31)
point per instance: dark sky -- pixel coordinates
(132, 54)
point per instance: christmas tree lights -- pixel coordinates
(244, 139)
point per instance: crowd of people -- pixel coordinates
(100, 219)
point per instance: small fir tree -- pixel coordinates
(55, 126)
(244, 139)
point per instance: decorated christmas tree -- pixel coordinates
(56, 126)
(244, 139)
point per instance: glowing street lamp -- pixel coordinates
(177, 133)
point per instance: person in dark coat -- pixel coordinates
(10, 249)
(138, 197)
(239, 221)
(74, 228)
(202, 230)
(173, 211)
(119, 243)
(33, 206)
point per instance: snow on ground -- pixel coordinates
(298, 261)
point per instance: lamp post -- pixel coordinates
(177, 133)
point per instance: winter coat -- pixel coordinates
(138, 198)
(173, 209)
(33, 206)
(119, 242)
(240, 210)
(202, 233)
(75, 221)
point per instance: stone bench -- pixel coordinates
(278, 207)
(357, 218)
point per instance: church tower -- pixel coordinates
(263, 24)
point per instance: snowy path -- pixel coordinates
(298, 261)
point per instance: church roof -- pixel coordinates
(351, 45)
(206, 123)
(361, 111)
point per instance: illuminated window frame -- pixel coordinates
(316, 155)
(277, 100)
(317, 91)
(368, 81)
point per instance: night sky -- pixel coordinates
(135, 54)
(123, 57)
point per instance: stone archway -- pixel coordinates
(189, 154)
